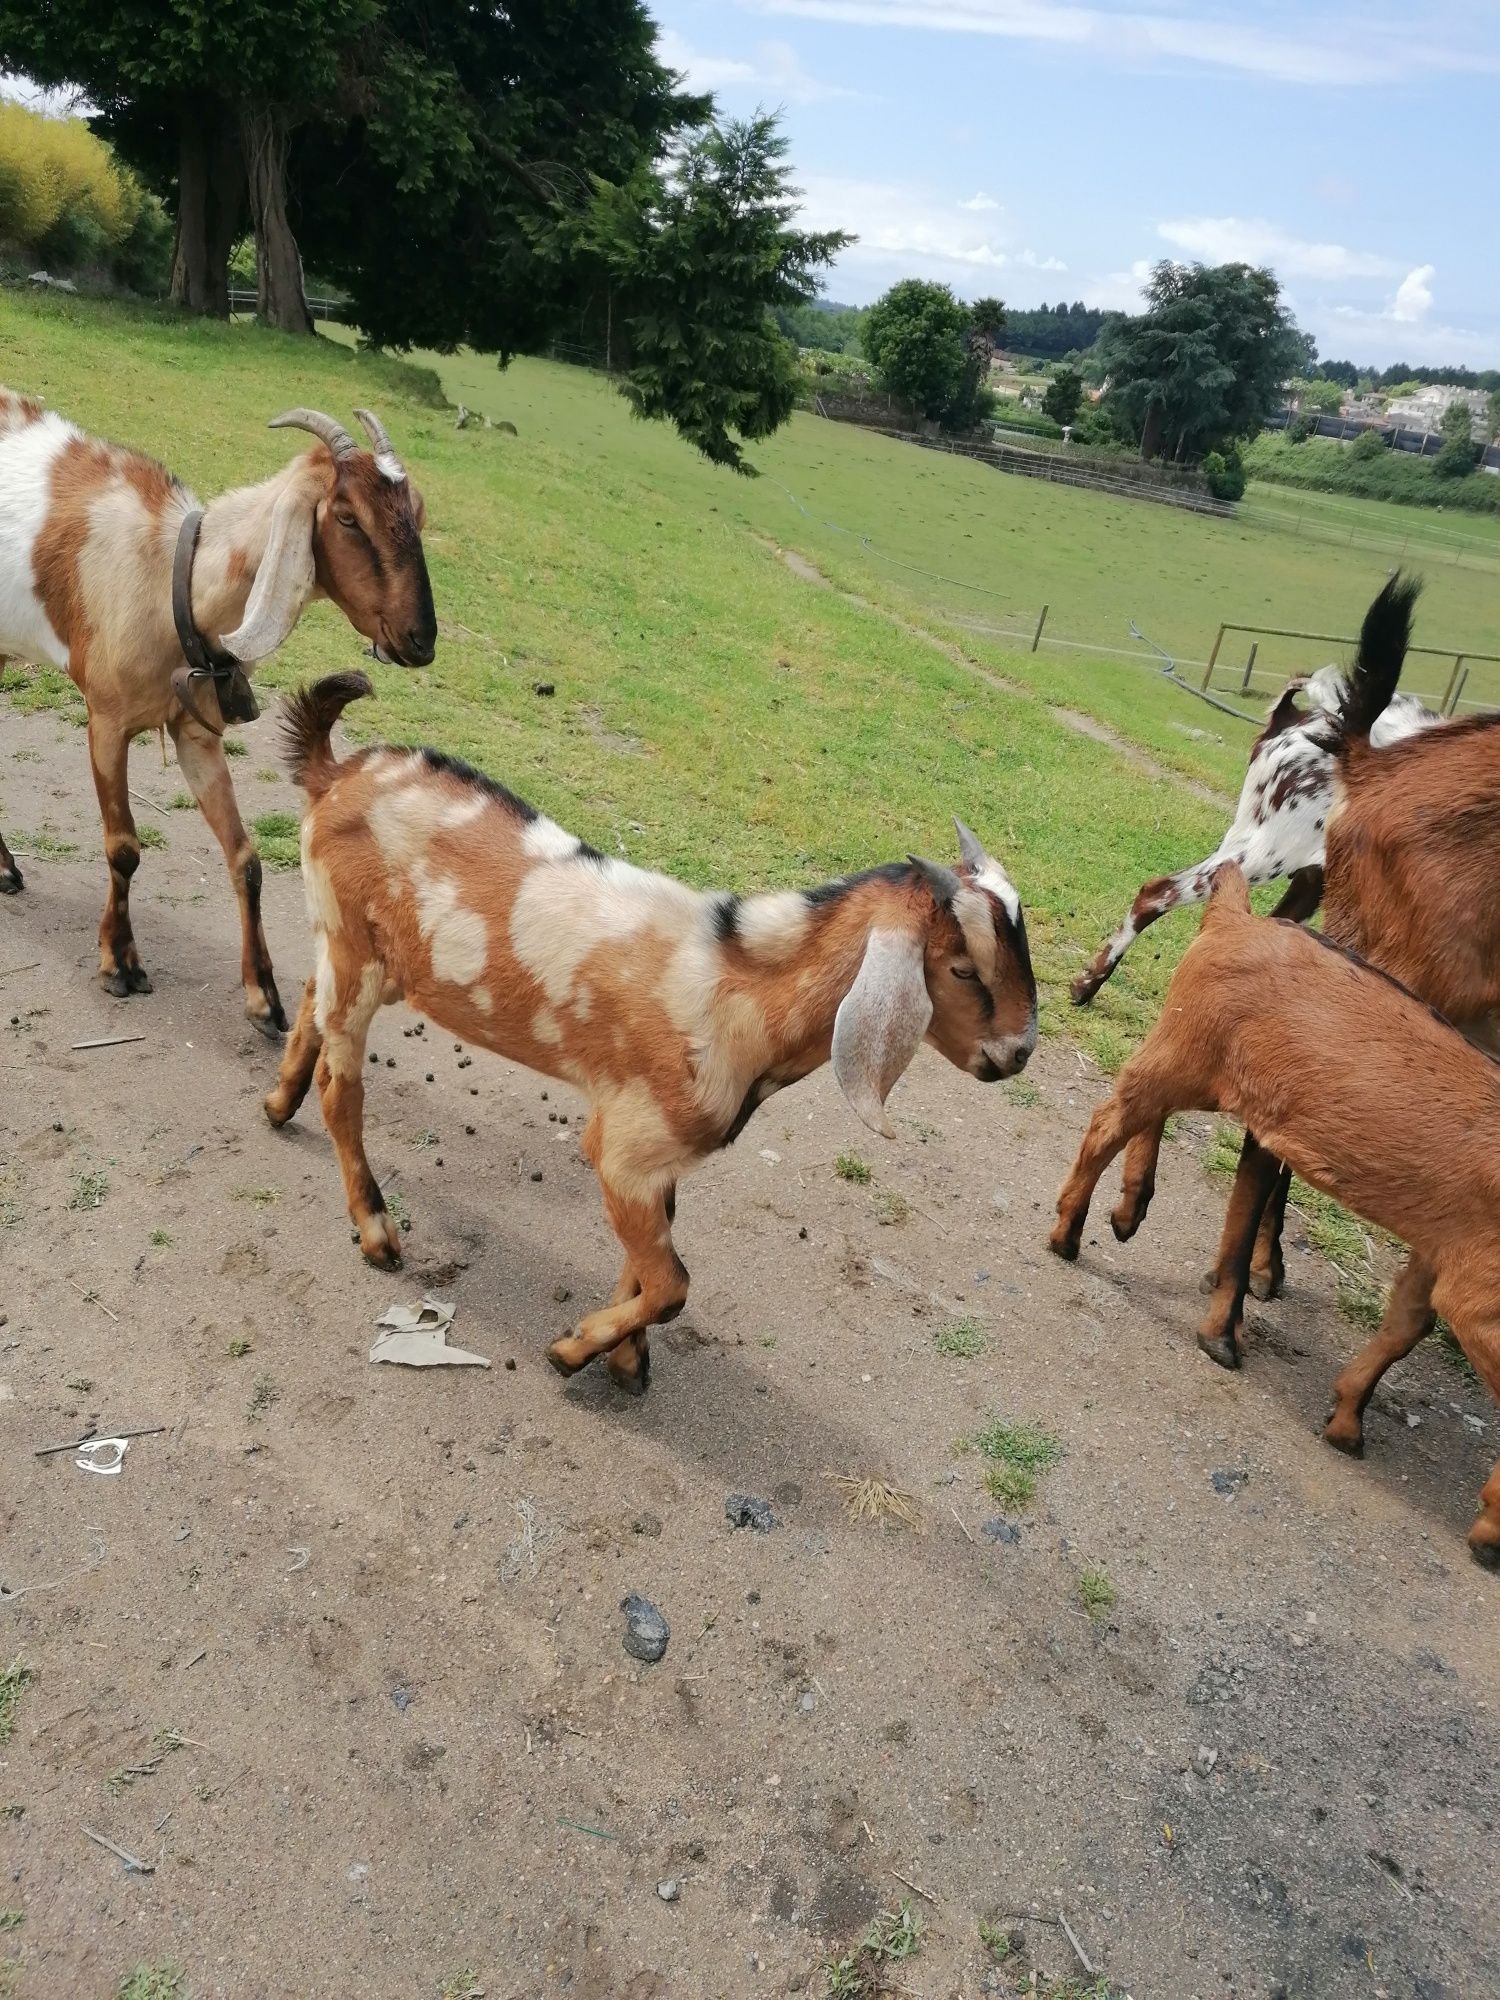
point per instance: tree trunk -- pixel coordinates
(281, 299)
(1151, 435)
(210, 204)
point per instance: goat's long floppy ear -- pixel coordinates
(284, 581)
(880, 1024)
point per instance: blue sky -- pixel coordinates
(1041, 148)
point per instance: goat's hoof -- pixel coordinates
(1064, 1245)
(1267, 1284)
(1083, 990)
(269, 1025)
(1485, 1553)
(1224, 1350)
(10, 882)
(125, 980)
(380, 1241)
(275, 1111)
(1126, 1222)
(1350, 1443)
(563, 1358)
(632, 1376)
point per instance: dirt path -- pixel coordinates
(381, 1608)
(1070, 718)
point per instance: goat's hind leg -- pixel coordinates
(653, 1288)
(298, 1062)
(1219, 1335)
(10, 874)
(119, 962)
(1409, 1317)
(355, 996)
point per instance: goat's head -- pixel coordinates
(957, 974)
(351, 529)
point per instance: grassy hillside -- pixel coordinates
(715, 713)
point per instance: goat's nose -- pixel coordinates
(419, 648)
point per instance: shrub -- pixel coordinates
(1367, 447)
(1224, 473)
(66, 201)
(1370, 472)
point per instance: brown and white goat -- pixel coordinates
(1363, 1090)
(675, 1011)
(88, 537)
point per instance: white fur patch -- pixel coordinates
(404, 822)
(27, 457)
(458, 937)
(323, 912)
(480, 1000)
(389, 467)
(545, 840)
(562, 914)
(544, 1026)
(773, 924)
(639, 1154)
(994, 878)
(462, 812)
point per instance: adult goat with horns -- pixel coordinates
(155, 606)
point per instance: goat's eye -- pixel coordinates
(964, 972)
(344, 518)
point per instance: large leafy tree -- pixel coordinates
(1205, 362)
(696, 261)
(202, 97)
(918, 337)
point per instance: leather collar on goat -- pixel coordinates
(237, 702)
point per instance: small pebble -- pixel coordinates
(470, 1130)
(473, 1090)
(669, 1890)
(646, 1631)
(511, 1367)
(1204, 1760)
(429, 1076)
(536, 1173)
(744, 1510)
(562, 1293)
(1000, 1530)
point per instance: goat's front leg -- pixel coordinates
(201, 756)
(1219, 1335)
(355, 991)
(1408, 1318)
(109, 754)
(300, 1059)
(653, 1288)
(1115, 1121)
(1152, 900)
(10, 874)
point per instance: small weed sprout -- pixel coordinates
(262, 1396)
(278, 835)
(90, 1186)
(151, 1982)
(1016, 1454)
(1096, 1590)
(960, 1339)
(239, 1347)
(890, 1207)
(181, 802)
(13, 1679)
(895, 1934)
(160, 1240)
(995, 1939)
(850, 1167)
(149, 835)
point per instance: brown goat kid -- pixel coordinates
(675, 1011)
(110, 570)
(1363, 1091)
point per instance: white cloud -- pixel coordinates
(909, 232)
(978, 204)
(1120, 291)
(1226, 239)
(1413, 298)
(1344, 51)
(776, 69)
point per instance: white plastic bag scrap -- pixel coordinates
(417, 1337)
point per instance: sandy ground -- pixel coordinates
(381, 1609)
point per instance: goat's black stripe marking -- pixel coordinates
(455, 767)
(587, 853)
(833, 892)
(669, 1202)
(726, 918)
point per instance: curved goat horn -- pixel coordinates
(970, 847)
(333, 434)
(383, 446)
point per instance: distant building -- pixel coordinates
(1426, 407)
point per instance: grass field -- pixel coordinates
(714, 713)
